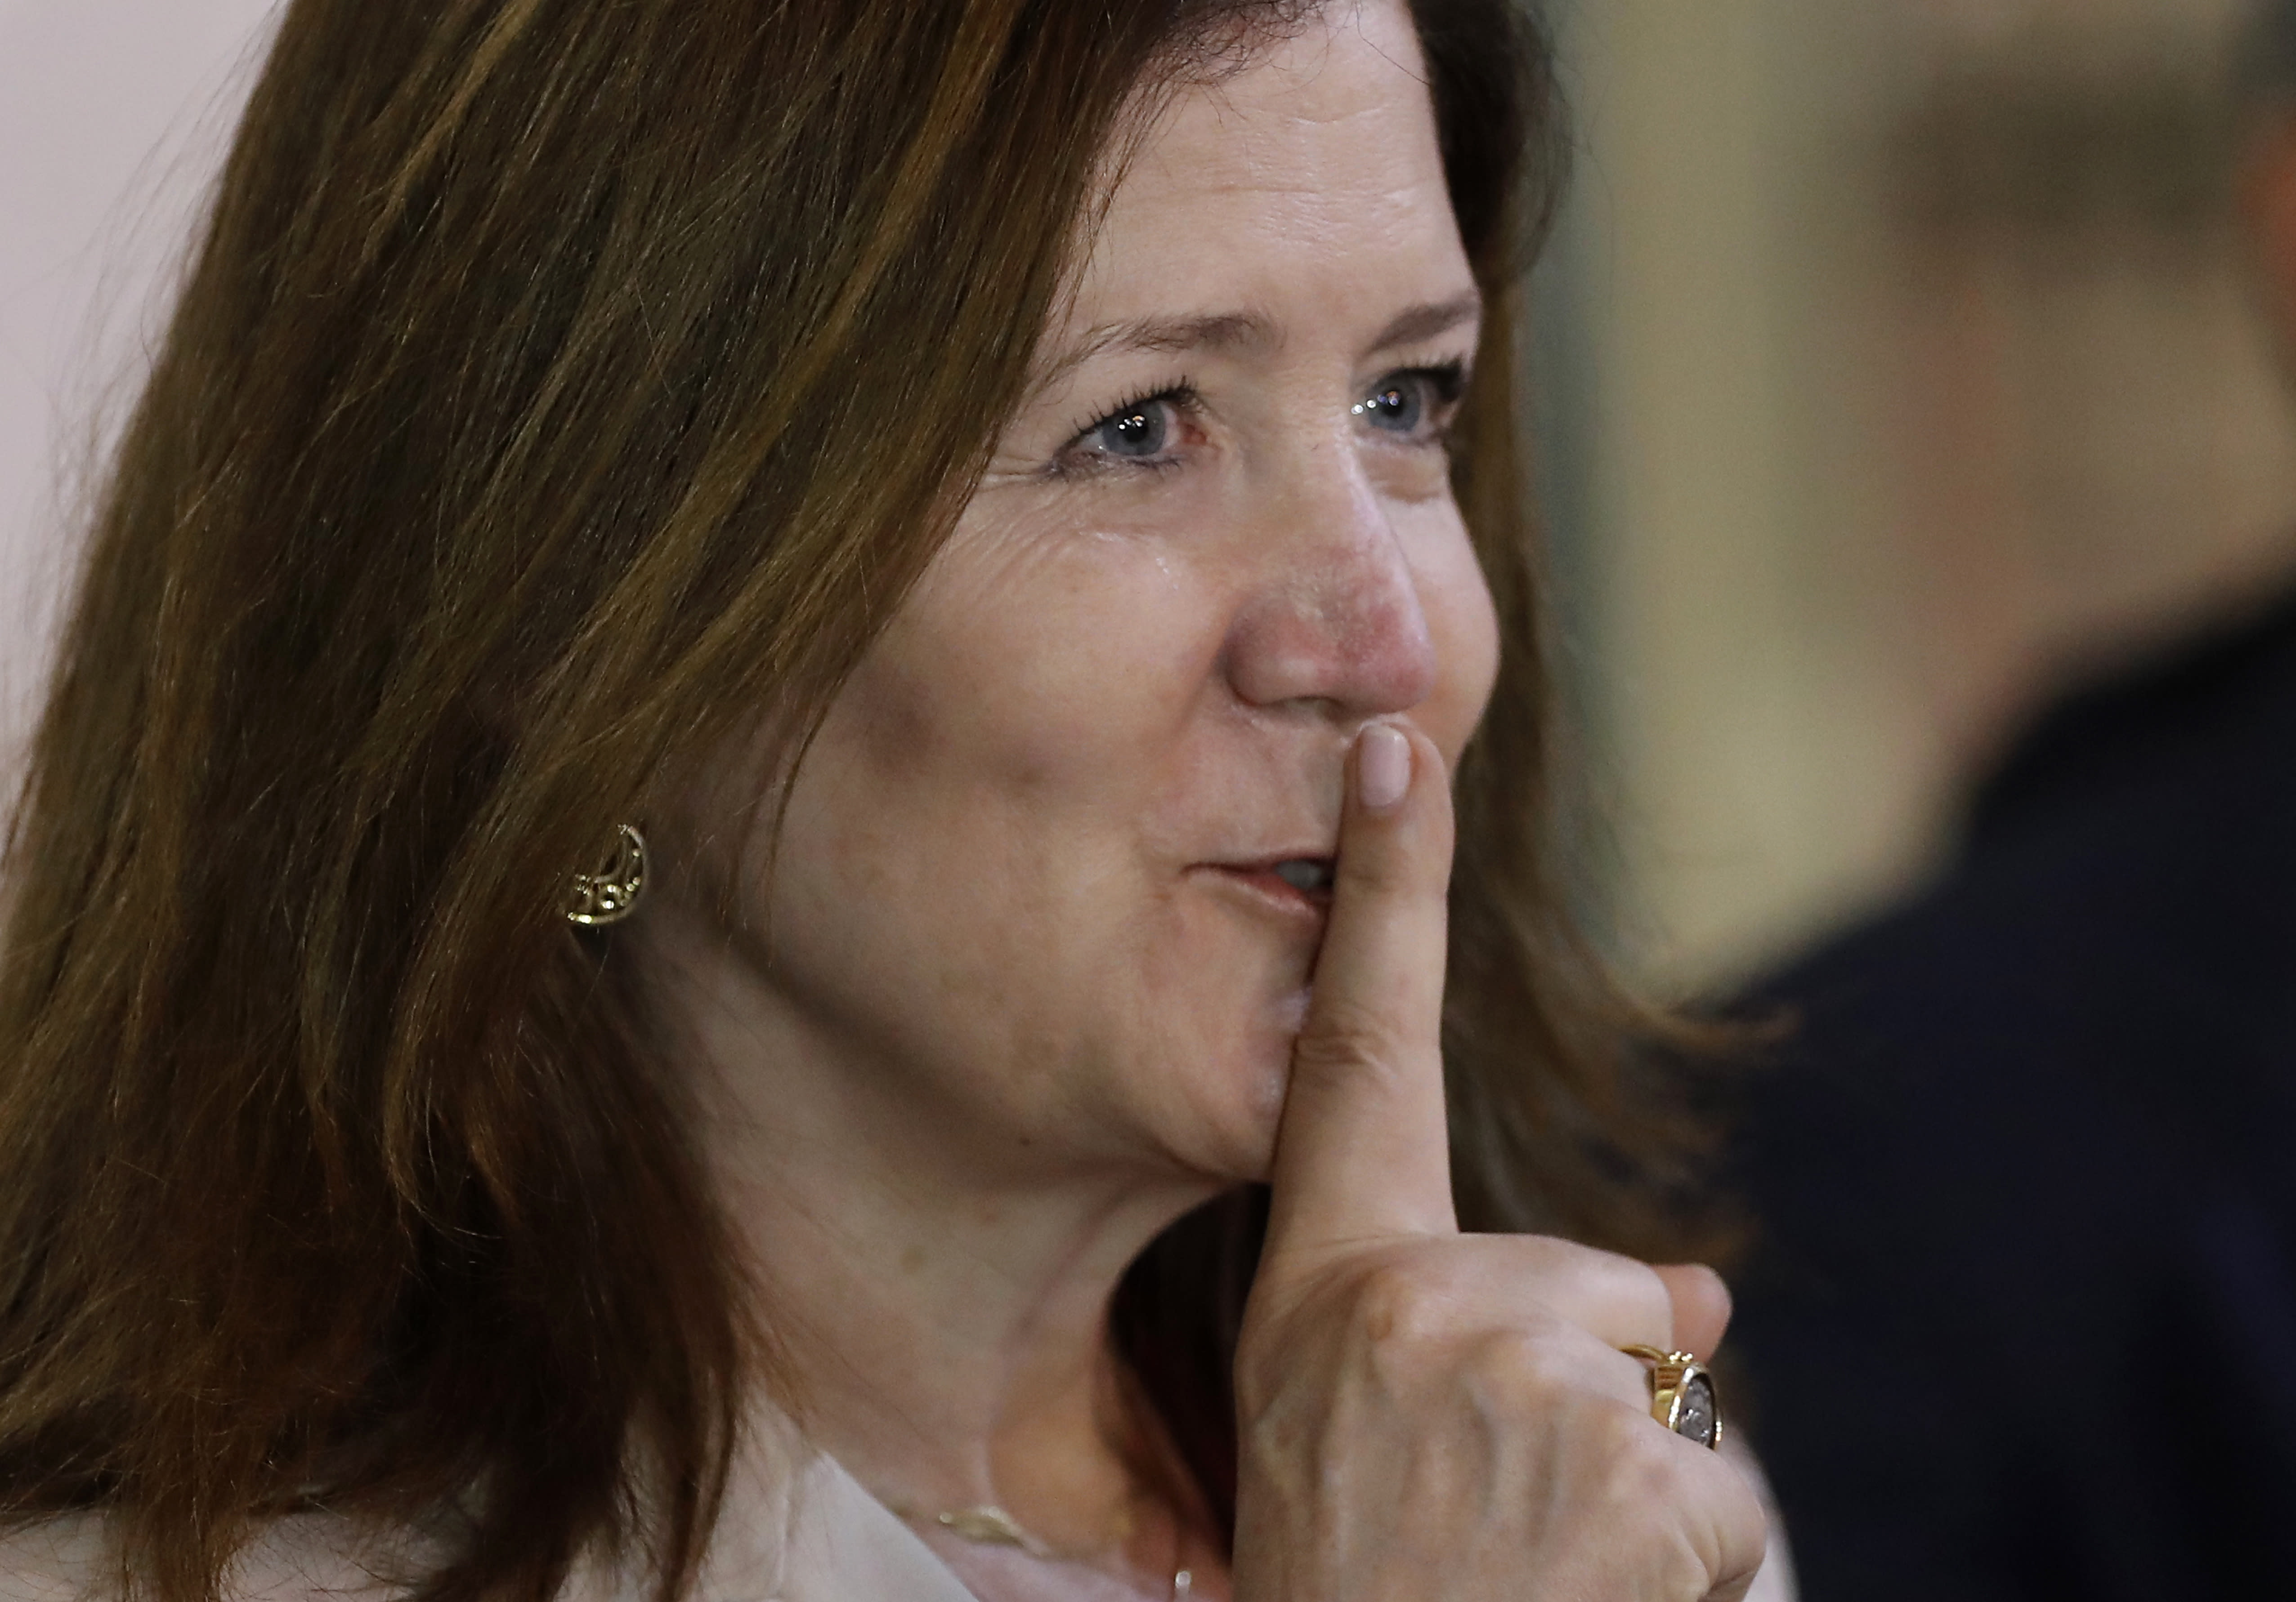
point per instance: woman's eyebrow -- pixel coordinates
(1219, 330)
(1234, 331)
(1427, 321)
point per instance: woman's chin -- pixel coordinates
(1239, 1105)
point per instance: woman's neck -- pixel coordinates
(939, 1292)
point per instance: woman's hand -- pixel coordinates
(1427, 1416)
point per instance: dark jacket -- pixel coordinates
(2024, 1321)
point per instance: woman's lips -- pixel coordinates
(1294, 883)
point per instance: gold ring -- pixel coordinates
(1682, 1394)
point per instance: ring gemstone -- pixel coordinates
(1694, 1412)
(1682, 1394)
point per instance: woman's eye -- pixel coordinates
(1136, 432)
(1394, 406)
(1410, 403)
(1155, 431)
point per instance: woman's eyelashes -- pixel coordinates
(1416, 404)
(1142, 433)
(1410, 406)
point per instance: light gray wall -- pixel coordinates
(113, 114)
(1856, 486)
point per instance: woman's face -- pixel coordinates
(1047, 884)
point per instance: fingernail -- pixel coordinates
(1382, 766)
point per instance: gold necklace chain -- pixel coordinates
(988, 1525)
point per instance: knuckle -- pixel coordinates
(1348, 1038)
(1516, 1373)
(1638, 1449)
(1401, 1309)
(1650, 1468)
(1391, 875)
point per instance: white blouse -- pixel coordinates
(817, 1538)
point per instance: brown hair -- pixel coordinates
(539, 405)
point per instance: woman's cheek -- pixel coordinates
(1076, 647)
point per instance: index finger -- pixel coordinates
(1363, 1151)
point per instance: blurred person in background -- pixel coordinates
(2020, 1324)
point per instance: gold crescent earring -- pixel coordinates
(610, 893)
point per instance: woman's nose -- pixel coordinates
(1334, 612)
